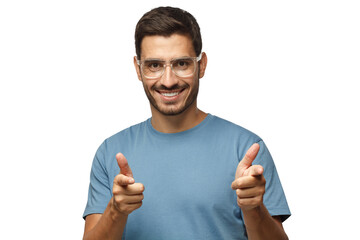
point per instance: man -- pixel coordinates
(205, 177)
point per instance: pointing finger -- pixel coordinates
(123, 164)
(249, 157)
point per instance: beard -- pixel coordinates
(173, 110)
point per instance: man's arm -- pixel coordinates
(127, 196)
(249, 184)
(109, 225)
(261, 225)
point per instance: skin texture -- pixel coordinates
(176, 114)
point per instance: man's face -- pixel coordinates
(170, 94)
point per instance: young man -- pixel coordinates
(205, 177)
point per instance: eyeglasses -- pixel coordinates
(182, 67)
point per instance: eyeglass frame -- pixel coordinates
(169, 63)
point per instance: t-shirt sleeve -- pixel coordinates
(274, 197)
(99, 193)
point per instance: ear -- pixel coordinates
(137, 68)
(203, 63)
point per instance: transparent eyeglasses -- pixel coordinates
(182, 67)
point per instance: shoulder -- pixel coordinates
(231, 129)
(127, 133)
(123, 139)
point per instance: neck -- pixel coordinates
(177, 123)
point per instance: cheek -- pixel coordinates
(194, 83)
(191, 82)
(149, 84)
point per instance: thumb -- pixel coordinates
(255, 170)
(248, 159)
(123, 164)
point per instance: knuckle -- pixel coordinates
(233, 185)
(141, 187)
(240, 202)
(119, 179)
(116, 179)
(119, 199)
(239, 182)
(263, 191)
(118, 191)
(256, 201)
(260, 191)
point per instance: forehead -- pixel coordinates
(161, 47)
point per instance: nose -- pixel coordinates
(169, 78)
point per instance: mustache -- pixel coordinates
(164, 88)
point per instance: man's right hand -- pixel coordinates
(127, 195)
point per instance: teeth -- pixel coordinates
(170, 94)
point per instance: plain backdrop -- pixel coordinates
(286, 70)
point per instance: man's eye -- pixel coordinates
(182, 63)
(154, 65)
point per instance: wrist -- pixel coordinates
(253, 217)
(252, 211)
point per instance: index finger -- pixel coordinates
(123, 164)
(250, 156)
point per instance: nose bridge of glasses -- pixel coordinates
(168, 64)
(167, 73)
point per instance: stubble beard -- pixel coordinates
(172, 111)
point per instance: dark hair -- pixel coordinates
(165, 21)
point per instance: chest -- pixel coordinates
(187, 186)
(179, 177)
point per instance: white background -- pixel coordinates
(287, 70)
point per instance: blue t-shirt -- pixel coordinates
(187, 178)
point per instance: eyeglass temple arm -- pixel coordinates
(199, 57)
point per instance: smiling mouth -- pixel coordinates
(170, 94)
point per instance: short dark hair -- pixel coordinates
(165, 21)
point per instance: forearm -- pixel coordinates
(261, 225)
(111, 225)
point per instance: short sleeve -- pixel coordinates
(99, 193)
(274, 197)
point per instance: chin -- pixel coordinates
(170, 111)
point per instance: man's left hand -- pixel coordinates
(249, 181)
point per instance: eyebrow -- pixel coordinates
(154, 59)
(162, 60)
